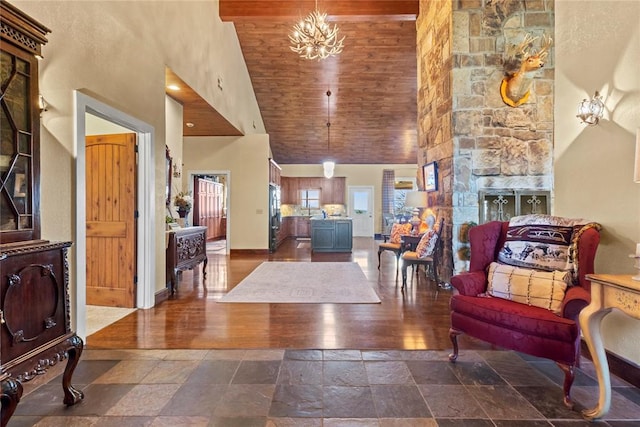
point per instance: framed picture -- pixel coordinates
(430, 175)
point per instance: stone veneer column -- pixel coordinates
(435, 136)
(479, 142)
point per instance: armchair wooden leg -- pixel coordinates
(569, 376)
(379, 258)
(397, 264)
(453, 336)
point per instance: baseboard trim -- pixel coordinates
(244, 252)
(161, 296)
(619, 366)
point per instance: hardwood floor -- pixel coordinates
(417, 318)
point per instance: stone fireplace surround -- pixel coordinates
(480, 143)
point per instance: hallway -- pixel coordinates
(417, 319)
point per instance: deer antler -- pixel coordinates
(544, 48)
(523, 47)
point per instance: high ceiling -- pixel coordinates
(373, 81)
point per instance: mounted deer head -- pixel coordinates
(519, 60)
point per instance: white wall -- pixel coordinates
(597, 47)
(247, 160)
(357, 175)
(117, 52)
(174, 115)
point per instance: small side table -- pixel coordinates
(410, 241)
(608, 291)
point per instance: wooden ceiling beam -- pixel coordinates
(248, 10)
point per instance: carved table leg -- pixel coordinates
(174, 281)
(72, 395)
(204, 268)
(11, 394)
(590, 318)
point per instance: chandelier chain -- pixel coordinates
(329, 121)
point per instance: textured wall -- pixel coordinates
(496, 146)
(435, 138)
(593, 165)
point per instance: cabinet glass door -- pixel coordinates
(16, 148)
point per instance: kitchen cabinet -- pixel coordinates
(289, 191)
(302, 226)
(285, 229)
(331, 235)
(274, 173)
(326, 191)
(338, 189)
(332, 191)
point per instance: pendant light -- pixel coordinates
(328, 165)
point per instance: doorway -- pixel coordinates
(361, 210)
(218, 223)
(146, 247)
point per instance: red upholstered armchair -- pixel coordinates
(517, 326)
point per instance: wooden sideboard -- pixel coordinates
(186, 248)
(35, 318)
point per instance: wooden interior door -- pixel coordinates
(208, 207)
(110, 209)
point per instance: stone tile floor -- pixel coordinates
(312, 388)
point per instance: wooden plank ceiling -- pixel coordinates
(196, 111)
(373, 106)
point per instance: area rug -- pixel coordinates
(304, 283)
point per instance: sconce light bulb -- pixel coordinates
(42, 104)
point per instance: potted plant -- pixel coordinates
(183, 202)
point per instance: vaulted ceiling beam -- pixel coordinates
(247, 10)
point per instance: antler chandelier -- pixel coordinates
(313, 38)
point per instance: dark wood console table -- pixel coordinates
(187, 247)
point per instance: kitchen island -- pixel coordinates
(331, 234)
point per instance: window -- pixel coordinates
(399, 195)
(310, 199)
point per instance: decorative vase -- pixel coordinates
(184, 215)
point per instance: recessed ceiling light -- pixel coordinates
(189, 124)
(173, 87)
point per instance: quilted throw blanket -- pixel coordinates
(543, 242)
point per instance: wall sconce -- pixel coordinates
(590, 111)
(42, 104)
(177, 173)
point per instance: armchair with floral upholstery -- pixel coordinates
(525, 288)
(395, 242)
